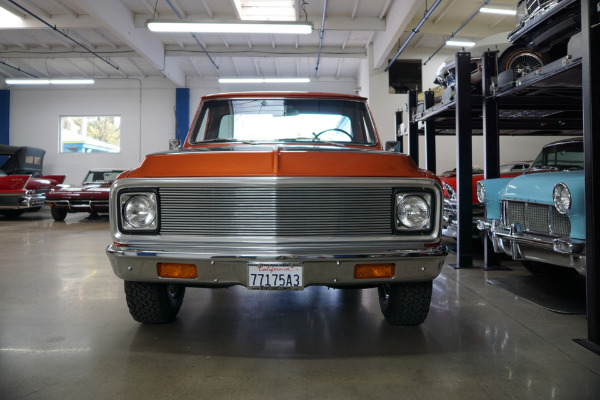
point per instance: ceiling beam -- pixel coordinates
(119, 20)
(397, 21)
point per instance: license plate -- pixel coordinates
(275, 276)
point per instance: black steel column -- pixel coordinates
(430, 163)
(590, 28)
(491, 143)
(413, 133)
(464, 161)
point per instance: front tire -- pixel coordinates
(153, 303)
(521, 60)
(405, 304)
(58, 214)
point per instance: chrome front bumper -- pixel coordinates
(333, 270)
(21, 202)
(563, 251)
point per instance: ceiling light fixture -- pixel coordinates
(231, 27)
(9, 20)
(502, 11)
(460, 43)
(49, 81)
(264, 80)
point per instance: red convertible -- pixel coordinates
(91, 197)
(448, 178)
(22, 186)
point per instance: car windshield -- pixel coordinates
(284, 120)
(101, 176)
(562, 156)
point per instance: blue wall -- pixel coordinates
(4, 115)
(182, 112)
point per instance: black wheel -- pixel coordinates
(520, 60)
(540, 268)
(405, 304)
(58, 214)
(153, 303)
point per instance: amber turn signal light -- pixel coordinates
(372, 271)
(173, 270)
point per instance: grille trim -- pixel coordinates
(536, 218)
(276, 211)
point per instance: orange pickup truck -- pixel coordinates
(277, 191)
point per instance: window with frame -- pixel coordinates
(90, 134)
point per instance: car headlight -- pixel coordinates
(413, 211)
(562, 198)
(480, 189)
(139, 211)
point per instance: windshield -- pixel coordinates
(284, 120)
(562, 156)
(101, 176)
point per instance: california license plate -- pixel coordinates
(275, 276)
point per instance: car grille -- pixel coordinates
(534, 5)
(283, 211)
(536, 218)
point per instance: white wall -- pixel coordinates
(147, 117)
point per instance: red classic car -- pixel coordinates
(22, 186)
(448, 178)
(91, 197)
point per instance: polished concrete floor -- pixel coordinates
(65, 333)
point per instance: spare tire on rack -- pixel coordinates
(521, 60)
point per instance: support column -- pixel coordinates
(464, 161)
(491, 144)
(4, 116)
(182, 113)
(413, 133)
(590, 28)
(430, 163)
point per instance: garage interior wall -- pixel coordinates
(148, 120)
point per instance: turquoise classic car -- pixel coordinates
(539, 217)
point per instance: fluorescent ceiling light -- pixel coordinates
(231, 27)
(264, 80)
(460, 43)
(502, 11)
(9, 20)
(49, 81)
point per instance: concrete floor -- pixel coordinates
(65, 333)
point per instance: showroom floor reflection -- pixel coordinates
(65, 332)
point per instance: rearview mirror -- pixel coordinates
(174, 144)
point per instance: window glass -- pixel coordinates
(90, 134)
(284, 120)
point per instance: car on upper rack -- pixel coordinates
(90, 197)
(539, 218)
(278, 191)
(545, 26)
(448, 178)
(23, 188)
(518, 58)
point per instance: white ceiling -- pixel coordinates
(117, 43)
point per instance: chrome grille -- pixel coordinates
(282, 211)
(536, 218)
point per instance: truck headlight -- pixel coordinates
(562, 198)
(139, 211)
(480, 189)
(413, 211)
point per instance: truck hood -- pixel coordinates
(538, 187)
(278, 160)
